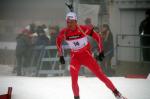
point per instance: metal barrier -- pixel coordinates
(44, 56)
(42, 59)
(130, 46)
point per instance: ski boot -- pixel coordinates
(76, 97)
(118, 95)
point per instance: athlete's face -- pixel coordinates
(71, 24)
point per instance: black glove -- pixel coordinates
(62, 60)
(101, 56)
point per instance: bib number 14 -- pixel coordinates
(76, 43)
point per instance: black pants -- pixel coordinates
(146, 54)
(145, 41)
(23, 60)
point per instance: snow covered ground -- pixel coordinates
(60, 87)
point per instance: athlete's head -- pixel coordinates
(71, 19)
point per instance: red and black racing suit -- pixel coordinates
(81, 55)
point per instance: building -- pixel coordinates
(123, 16)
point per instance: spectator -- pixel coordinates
(32, 27)
(108, 49)
(53, 34)
(88, 22)
(42, 38)
(144, 30)
(23, 51)
(41, 41)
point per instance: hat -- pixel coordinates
(71, 16)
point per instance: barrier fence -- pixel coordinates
(137, 45)
(48, 56)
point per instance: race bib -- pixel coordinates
(77, 43)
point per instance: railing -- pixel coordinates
(130, 46)
(42, 59)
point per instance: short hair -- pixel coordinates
(106, 26)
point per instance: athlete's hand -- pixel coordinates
(62, 60)
(101, 56)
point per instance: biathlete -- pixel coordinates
(76, 37)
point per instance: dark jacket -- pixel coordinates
(42, 40)
(23, 44)
(145, 28)
(109, 45)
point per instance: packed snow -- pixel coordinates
(60, 87)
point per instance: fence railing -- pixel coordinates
(45, 56)
(139, 46)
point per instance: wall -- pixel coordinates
(125, 17)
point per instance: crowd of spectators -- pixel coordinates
(30, 42)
